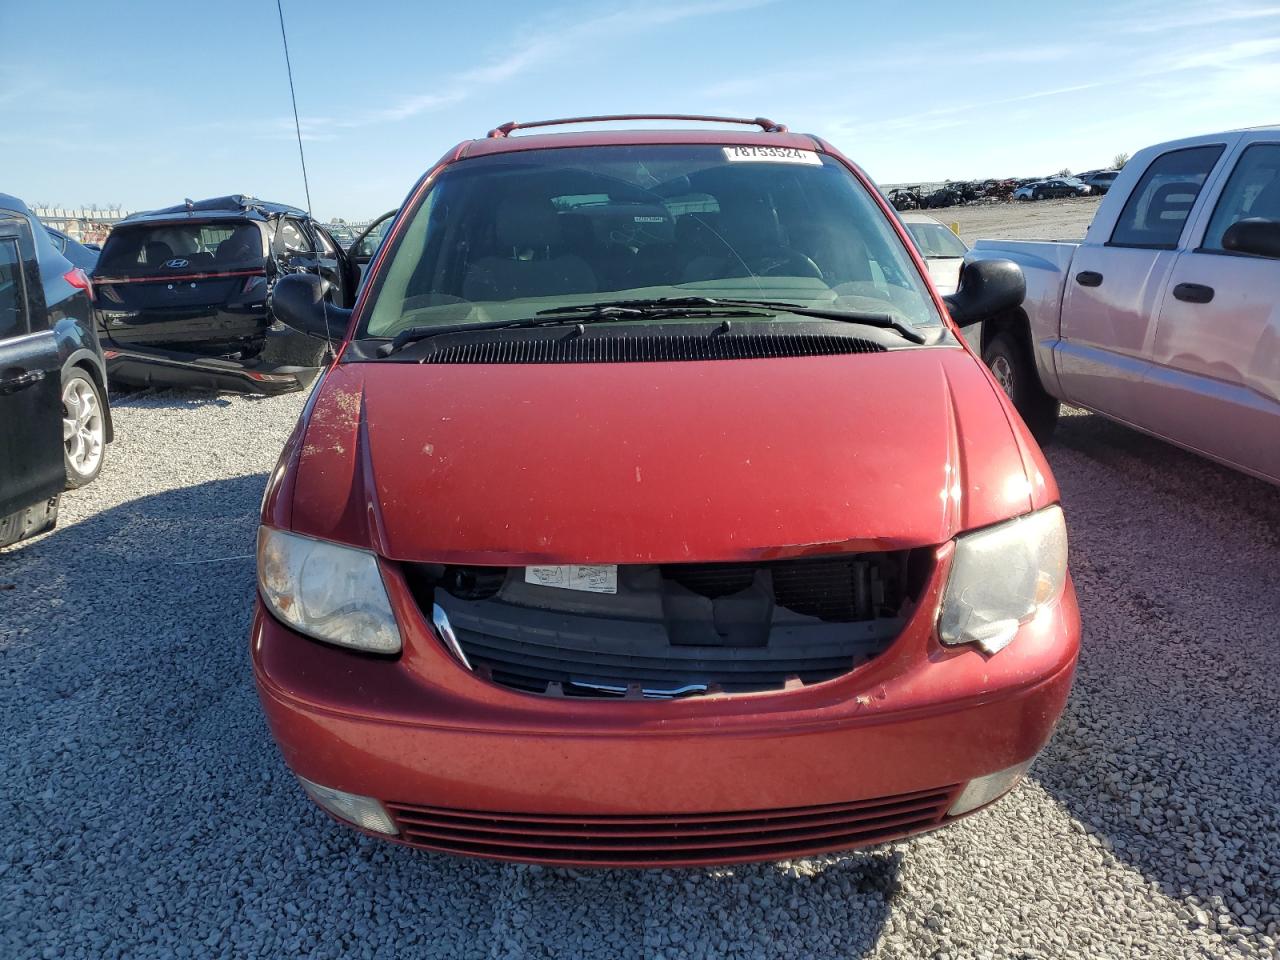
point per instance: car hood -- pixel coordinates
(660, 462)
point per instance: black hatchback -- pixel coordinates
(55, 421)
(183, 295)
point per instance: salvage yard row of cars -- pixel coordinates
(599, 467)
(958, 192)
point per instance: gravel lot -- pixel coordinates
(146, 812)
(1030, 220)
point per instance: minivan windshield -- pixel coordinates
(164, 248)
(505, 235)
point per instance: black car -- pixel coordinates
(55, 420)
(1101, 181)
(82, 255)
(183, 295)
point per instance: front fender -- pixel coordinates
(1045, 265)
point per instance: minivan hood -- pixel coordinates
(661, 462)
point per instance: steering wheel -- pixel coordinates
(784, 262)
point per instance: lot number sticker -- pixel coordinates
(593, 578)
(772, 155)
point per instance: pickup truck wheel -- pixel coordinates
(1014, 368)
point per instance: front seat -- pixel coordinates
(530, 264)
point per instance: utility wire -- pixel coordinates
(294, 97)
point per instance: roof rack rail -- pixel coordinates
(767, 125)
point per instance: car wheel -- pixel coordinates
(84, 429)
(1011, 363)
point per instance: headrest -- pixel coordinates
(527, 222)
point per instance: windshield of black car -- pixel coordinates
(505, 235)
(168, 248)
(935, 240)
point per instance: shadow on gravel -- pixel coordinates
(145, 811)
(173, 397)
(1169, 750)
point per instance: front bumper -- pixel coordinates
(145, 367)
(466, 766)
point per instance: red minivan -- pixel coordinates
(653, 512)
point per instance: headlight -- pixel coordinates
(327, 591)
(1000, 578)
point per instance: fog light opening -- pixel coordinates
(365, 812)
(982, 790)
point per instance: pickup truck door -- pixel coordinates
(1215, 379)
(32, 469)
(1115, 286)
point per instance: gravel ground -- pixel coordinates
(146, 812)
(1029, 220)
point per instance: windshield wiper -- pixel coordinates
(571, 316)
(881, 320)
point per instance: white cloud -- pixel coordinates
(548, 42)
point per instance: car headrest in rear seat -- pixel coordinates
(527, 222)
(156, 252)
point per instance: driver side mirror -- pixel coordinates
(1256, 236)
(298, 301)
(987, 288)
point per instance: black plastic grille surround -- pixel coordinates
(655, 348)
(676, 629)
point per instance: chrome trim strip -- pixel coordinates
(444, 630)
(650, 693)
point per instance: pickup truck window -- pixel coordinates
(1252, 191)
(1157, 210)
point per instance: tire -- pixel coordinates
(1010, 361)
(84, 428)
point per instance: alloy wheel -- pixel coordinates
(83, 429)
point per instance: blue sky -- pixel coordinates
(144, 103)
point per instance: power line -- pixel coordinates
(294, 97)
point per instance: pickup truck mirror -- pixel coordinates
(298, 301)
(1255, 235)
(987, 288)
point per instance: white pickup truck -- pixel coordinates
(1167, 316)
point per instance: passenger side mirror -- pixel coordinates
(987, 288)
(1255, 235)
(298, 301)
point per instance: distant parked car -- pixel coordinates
(82, 255)
(184, 295)
(55, 421)
(942, 250)
(1050, 189)
(942, 197)
(1100, 182)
